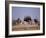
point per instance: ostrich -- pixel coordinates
(28, 19)
(36, 21)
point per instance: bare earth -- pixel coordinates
(22, 27)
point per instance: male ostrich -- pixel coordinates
(36, 21)
(27, 19)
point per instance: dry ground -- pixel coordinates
(22, 27)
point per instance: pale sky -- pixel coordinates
(21, 12)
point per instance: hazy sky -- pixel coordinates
(21, 12)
